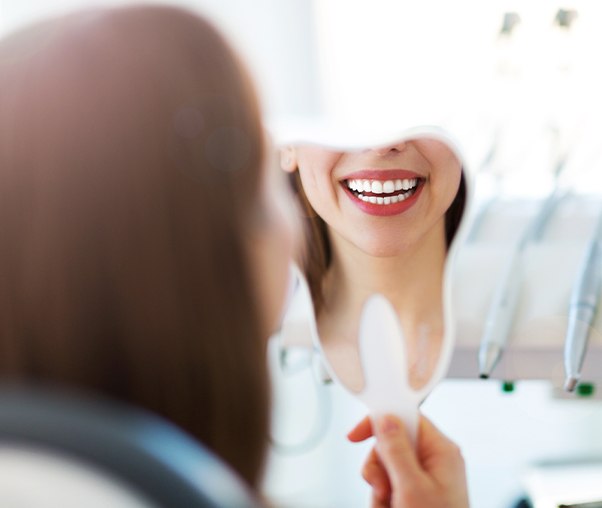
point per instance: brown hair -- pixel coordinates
(130, 156)
(316, 254)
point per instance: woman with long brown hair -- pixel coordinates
(126, 137)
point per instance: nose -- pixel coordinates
(392, 148)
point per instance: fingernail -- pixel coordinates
(388, 425)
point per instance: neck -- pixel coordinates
(412, 280)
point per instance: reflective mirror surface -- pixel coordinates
(379, 220)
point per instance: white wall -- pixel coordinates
(388, 60)
(274, 37)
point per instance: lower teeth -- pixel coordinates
(386, 200)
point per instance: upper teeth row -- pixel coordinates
(378, 186)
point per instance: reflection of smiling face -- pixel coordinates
(381, 200)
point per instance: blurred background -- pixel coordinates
(518, 84)
(524, 75)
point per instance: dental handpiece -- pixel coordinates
(582, 312)
(502, 310)
(500, 317)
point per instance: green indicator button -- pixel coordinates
(508, 386)
(585, 389)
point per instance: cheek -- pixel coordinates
(311, 189)
(446, 171)
(320, 192)
(316, 168)
(446, 183)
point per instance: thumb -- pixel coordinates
(396, 452)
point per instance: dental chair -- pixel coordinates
(61, 450)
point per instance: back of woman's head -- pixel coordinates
(130, 151)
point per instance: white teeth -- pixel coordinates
(389, 200)
(378, 186)
(406, 186)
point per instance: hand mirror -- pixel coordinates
(381, 226)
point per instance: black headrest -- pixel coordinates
(145, 452)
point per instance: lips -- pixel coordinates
(383, 192)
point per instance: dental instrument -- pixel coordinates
(582, 310)
(294, 354)
(502, 310)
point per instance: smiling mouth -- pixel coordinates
(383, 192)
